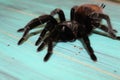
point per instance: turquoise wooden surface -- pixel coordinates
(69, 61)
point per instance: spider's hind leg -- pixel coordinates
(105, 17)
(106, 29)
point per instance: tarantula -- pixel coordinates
(84, 19)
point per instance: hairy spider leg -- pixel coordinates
(41, 36)
(49, 27)
(103, 34)
(72, 13)
(54, 36)
(60, 14)
(50, 49)
(34, 23)
(110, 29)
(20, 30)
(49, 42)
(106, 17)
(54, 12)
(105, 28)
(89, 48)
(51, 36)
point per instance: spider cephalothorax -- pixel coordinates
(83, 20)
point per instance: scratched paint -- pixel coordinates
(69, 61)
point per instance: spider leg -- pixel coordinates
(50, 37)
(41, 36)
(49, 27)
(48, 41)
(105, 29)
(72, 13)
(20, 30)
(106, 17)
(60, 14)
(54, 36)
(89, 48)
(49, 53)
(42, 45)
(34, 23)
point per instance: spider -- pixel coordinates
(83, 20)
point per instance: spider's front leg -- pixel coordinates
(33, 24)
(50, 49)
(89, 48)
(49, 41)
(49, 27)
(60, 14)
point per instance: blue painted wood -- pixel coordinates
(69, 61)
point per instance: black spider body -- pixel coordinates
(69, 31)
(83, 20)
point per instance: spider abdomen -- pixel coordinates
(86, 9)
(83, 11)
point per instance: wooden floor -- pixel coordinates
(70, 60)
